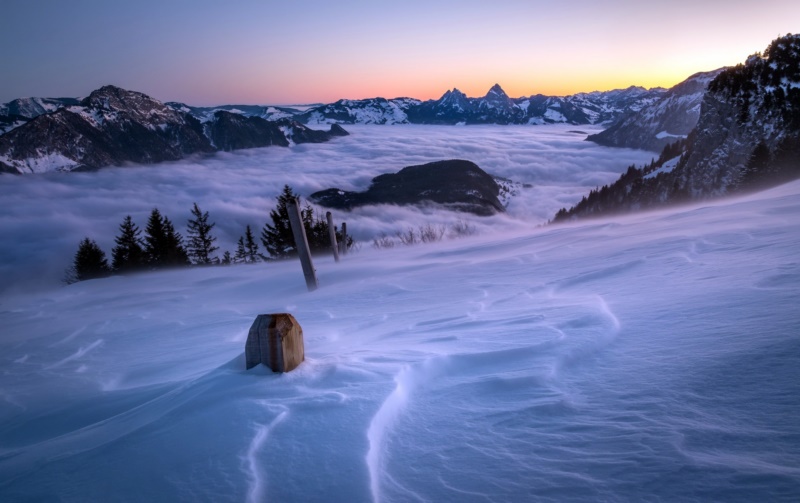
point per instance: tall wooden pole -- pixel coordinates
(301, 243)
(344, 238)
(332, 234)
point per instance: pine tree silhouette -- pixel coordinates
(155, 239)
(89, 263)
(162, 245)
(251, 247)
(277, 238)
(201, 242)
(241, 252)
(175, 254)
(128, 255)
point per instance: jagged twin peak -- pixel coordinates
(455, 100)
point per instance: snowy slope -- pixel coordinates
(649, 358)
(652, 358)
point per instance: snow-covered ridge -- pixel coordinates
(114, 126)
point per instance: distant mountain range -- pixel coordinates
(718, 132)
(113, 126)
(454, 107)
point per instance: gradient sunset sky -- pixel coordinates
(206, 52)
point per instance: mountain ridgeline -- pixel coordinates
(747, 137)
(113, 126)
(496, 107)
(453, 107)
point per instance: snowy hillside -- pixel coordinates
(652, 358)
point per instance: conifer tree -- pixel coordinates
(155, 239)
(175, 251)
(226, 258)
(128, 255)
(251, 247)
(201, 242)
(163, 246)
(241, 253)
(277, 238)
(89, 263)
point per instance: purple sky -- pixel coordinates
(262, 52)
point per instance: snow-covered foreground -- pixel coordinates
(655, 357)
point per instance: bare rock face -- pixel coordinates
(276, 340)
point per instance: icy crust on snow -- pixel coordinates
(648, 358)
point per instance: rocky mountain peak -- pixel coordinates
(138, 106)
(496, 92)
(454, 99)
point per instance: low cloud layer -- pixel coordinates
(44, 217)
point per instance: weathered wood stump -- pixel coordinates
(276, 340)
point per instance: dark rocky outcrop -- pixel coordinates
(457, 184)
(299, 133)
(229, 131)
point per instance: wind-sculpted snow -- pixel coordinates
(649, 358)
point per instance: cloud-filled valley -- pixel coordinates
(45, 216)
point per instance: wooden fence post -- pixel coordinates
(301, 243)
(332, 234)
(344, 239)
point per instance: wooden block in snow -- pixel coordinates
(276, 340)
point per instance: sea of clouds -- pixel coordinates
(44, 217)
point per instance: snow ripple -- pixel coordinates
(257, 481)
(407, 381)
